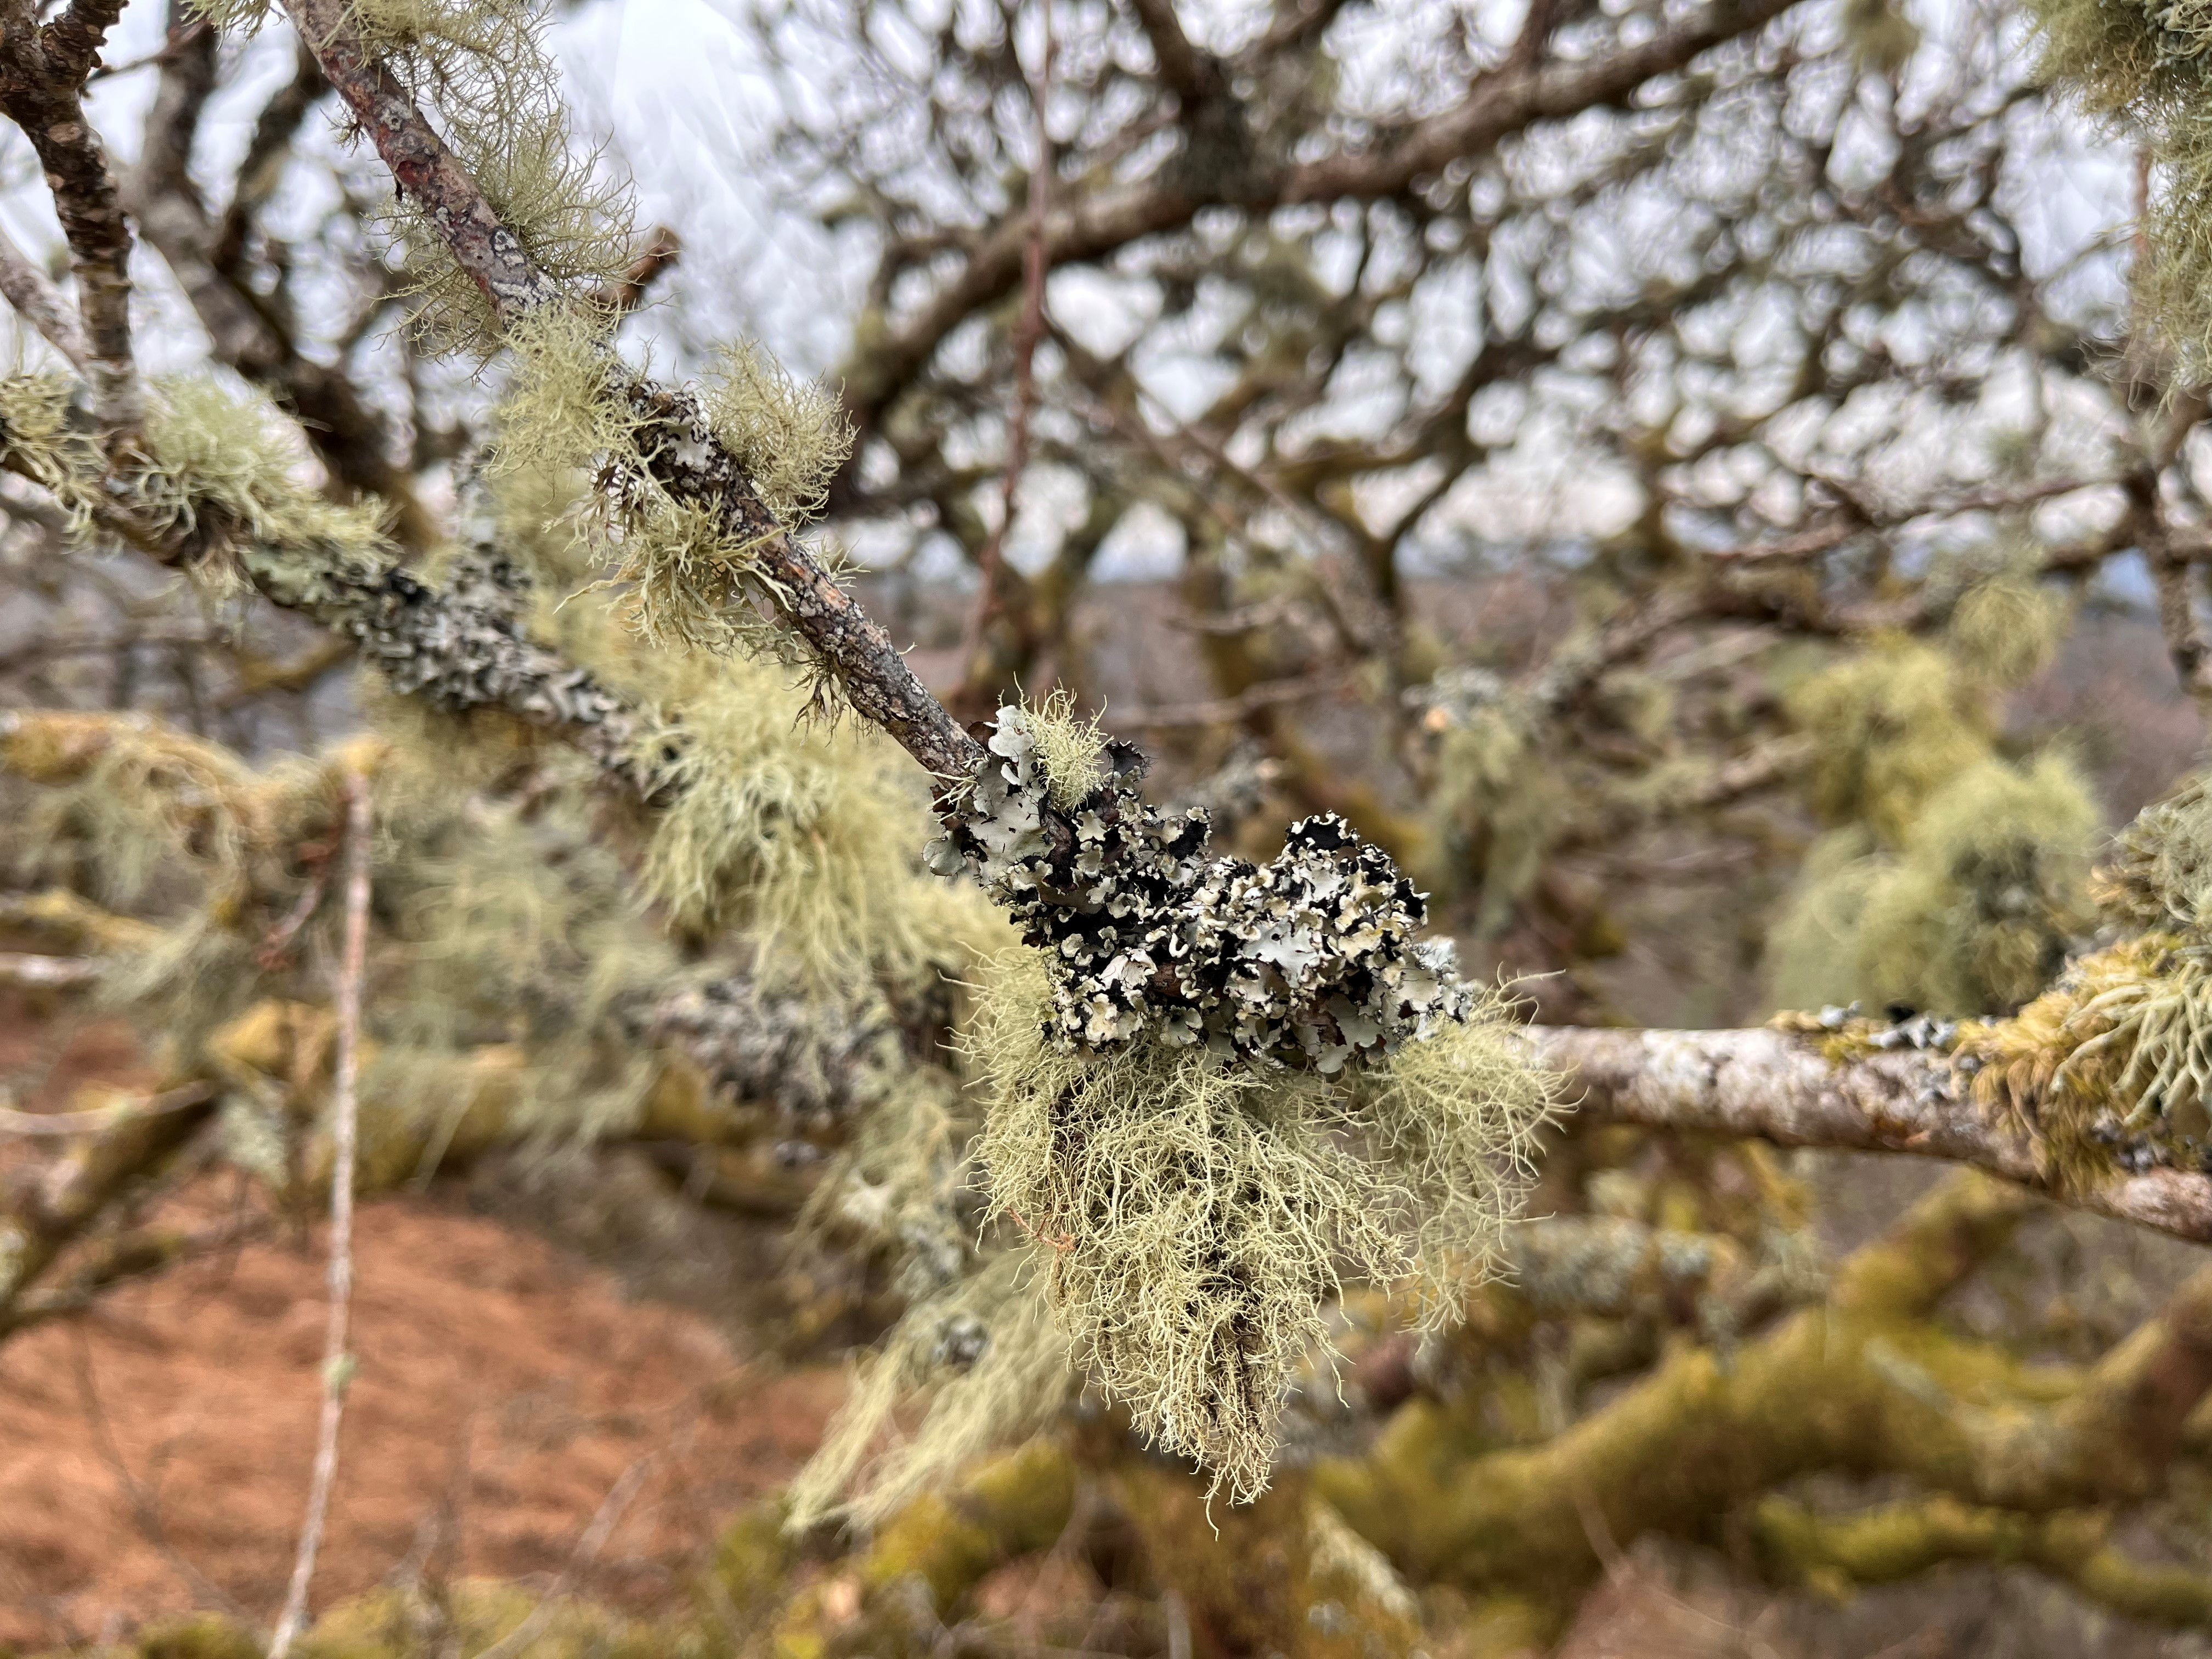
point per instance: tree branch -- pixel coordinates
(42, 1221)
(1496, 108)
(1194, 76)
(690, 461)
(39, 303)
(246, 331)
(1898, 1541)
(1772, 1085)
(42, 76)
(1858, 1384)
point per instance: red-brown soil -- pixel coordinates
(504, 1390)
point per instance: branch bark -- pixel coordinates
(39, 303)
(1771, 1085)
(248, 331)
(42, 76)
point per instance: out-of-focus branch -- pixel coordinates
(44, 1218)
(261, 168)
(99, 1120)
(1095, 224)
(658, 256)
(107, 1263)
(249, 331)
(979, 692)
(1194, 76)
(1840, 1386)
(1896, 1541)
(40, 304)
(42, 75)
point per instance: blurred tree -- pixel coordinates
(1716, 347)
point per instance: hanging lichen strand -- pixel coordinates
(2147, 63)
(1337, 1098)
(1308, 961)
(2113, 1063)
(1212, 1087)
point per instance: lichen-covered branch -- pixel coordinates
(247, 330)
(1780, 1086)
(48, 1216)
(1860, 1384)
(1838, 1554)
(459, 648)
(683, 451)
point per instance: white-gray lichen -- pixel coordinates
(1310, 961)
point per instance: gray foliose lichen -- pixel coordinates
(1310, 960)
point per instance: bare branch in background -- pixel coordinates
(337, 1361)
(40, 304)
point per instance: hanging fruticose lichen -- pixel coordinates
(1500, 802)
(1193, 1218)
(1213, 1088)
(482, 70)
(2113, 1064)
(2146, 65)
(992, 1366)
(1972, 912)
(1952, 879)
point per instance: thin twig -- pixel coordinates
(104, 1118)
(337, 1363)
(991, 561)
(1224, 711)
(143, 1510)
(587, 1549)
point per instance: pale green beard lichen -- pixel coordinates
(1071, 750)
(805, 836)
(1893, 724)
(2149, 65)
(687, 578)
(2007, 628)
(481, 69)
(992, 1365)
(1190, 1219)
(224, 470)
(800, 835)
(2146, 1038)
(2158, 874)
(1499, 807)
